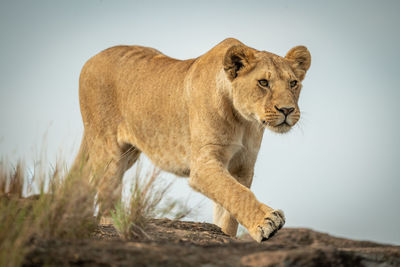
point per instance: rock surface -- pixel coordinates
(176, 243)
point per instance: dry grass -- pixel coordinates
(64, 211)
(13, 214)
(148, 200)
(63, 207)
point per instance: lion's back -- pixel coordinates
(108, 78)
(141, 91)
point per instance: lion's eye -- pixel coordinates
(263, 83)
(293, 83)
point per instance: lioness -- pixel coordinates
(201, 118)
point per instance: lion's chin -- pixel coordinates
(281, 128)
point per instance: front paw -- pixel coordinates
(272, 222)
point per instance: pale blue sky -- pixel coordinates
(337, 172)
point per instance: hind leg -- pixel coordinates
(104, 161)
(110, 182)
(223, 219)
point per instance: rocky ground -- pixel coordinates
(177, 243)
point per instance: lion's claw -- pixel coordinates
(269, 227)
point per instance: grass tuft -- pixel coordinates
(66, 210)
(62, 205)
(148, 200)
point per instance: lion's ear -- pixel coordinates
(300, 59)
(237, 59)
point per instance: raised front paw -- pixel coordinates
(272, 222)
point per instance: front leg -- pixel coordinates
(209, 175)
(243, 173)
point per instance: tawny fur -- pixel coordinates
(203, 118)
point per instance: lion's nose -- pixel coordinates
(285, 110)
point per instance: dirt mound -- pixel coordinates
(176, 243)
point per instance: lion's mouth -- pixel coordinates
(284, 123)
(281, 127)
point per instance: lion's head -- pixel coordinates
(266, 87)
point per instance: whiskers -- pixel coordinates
(272, 119)
(301, 122)
(281, 124)
(299, 125)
